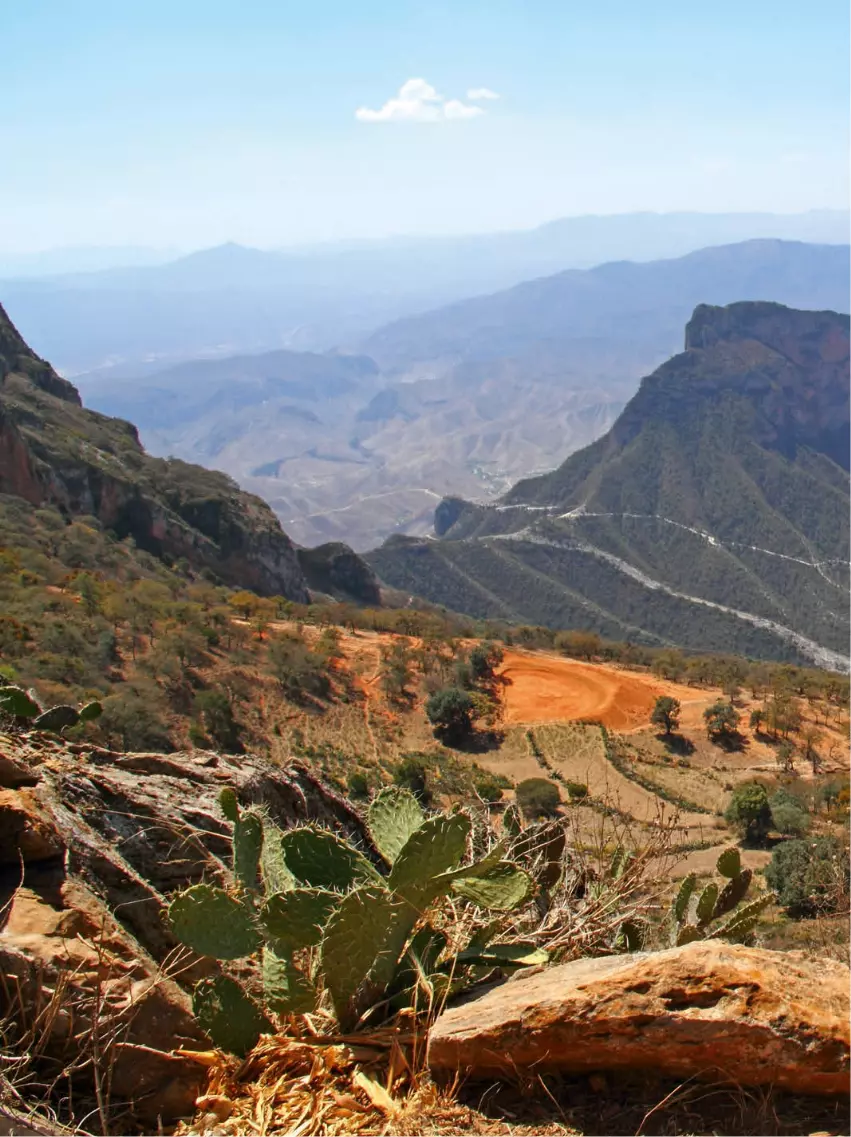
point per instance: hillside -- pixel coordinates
(713, 515)
(356, 448)
(53, 452)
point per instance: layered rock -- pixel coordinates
(710, 1010)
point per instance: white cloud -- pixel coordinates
(478, 93)
(418, 101)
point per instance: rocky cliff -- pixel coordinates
(713, 515)
(53, 451)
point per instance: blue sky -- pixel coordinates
(188, 123)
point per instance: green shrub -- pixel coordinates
(577, 791)
(538, 797)
(133, 723)
(810, 876)
(721, 720)
(450, 711)
(749, 811)
(411, 774)
(666, 713)
(489, 789)
(357, 784)
(216, 711)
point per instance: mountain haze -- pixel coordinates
(231, 299)
(466, 400)
(713, 514)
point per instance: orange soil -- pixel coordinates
(547, 688)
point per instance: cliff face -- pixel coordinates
(715, 511)
(53, 451)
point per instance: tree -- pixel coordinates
(450, 711)
(721, 721)
(749, 811)
(584, 645)
(216, 711)
(538, 797)
(484, 660)
(757, 718)
(666, 713)
(786, 757)
(810, 877)
(812, 737)
(787, 815)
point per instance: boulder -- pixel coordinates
(711, 1010)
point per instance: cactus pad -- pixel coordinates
(16, 701)
(394, 815)
(91, 711)
(273, 868)
(732, 892)
(435, 848)
(295, 919)
(744, 921)
(211, 922)
(729, 863)
(230, 1017)
(319, 859)
(57, 718)
(680, 905)
(355, 938)
(286, 988)
(504, 887)
(706, 903)
(687, 934)
(229, 805)
(517, 954)
(247, 845)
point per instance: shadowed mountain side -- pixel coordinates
(715, 511)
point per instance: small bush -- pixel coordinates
(357, 784)
(411, 774)
(810, 877)
(749, 811)
(489, 789)
(538, 797)
(450, 711)
(577, 791)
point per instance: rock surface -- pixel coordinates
(710, 1010)
(89, 852)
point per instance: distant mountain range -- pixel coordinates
(464, 400)
(712, 515)
(231, 300)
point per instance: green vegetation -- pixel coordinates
(810, 877)
(538, 797)
(749, 811)
(722, 720)
(692, 914)
(324, 918)
(666, 713)
(451, 713)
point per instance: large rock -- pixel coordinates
(710, 1010)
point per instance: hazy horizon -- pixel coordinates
(275, 126)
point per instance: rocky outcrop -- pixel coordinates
(91, 845)
(54, 452)
(336, 570)
(710, 1010)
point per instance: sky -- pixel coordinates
(188, 123)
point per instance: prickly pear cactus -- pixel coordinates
(212, 922)
(394, 815)
(16, 701)
(228, 1015)
(247, 846)
(294, 920)
(503, 888)
(57, 719)
(318, 858)
(690, 922)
